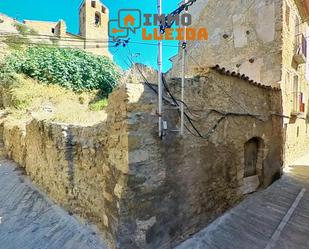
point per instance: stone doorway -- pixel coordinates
(253, 165)
(251, 156)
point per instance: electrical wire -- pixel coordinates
(78, 38)
(190, 120)
(168, 22)
(81, 39)
(196, 132)
(186, 115)
(171, 95)
(132, 62)
(223, 90)
(155, 44)
(173, 98)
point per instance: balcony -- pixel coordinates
(300, 53)
(299, 107)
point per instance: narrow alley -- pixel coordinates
(30, 220)
(277, 217)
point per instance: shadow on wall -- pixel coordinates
(82, 168)
(148, 193)
(178, 185)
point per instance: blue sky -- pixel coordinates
(53, 10)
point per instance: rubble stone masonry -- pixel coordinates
(146, 192)
(263, 40)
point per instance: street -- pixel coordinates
(30, 220)
(277, 217)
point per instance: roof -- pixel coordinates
(75, 35)
(223, 71)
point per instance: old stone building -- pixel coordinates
(93, 29)
(144, 192)
(265, 40)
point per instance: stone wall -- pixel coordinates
(81, 168)
(43, 27)
(177, 185)
(244, 36)
(296, 125)
(143, 191)
(91, 36)
(259, 39)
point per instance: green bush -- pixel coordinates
(70, 68)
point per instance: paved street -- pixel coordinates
(30, 221)
(275, 218)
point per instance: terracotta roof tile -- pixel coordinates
(244, 77)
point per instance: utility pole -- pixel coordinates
(159, 6)
(183, 67)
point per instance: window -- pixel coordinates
(53, 30)
(251, 157)
(298, 97)
(287, 15)
(103, 10)
(295, 94)
(97, 19)
(93, 4)
(297, 133)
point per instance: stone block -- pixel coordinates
(251, 184)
